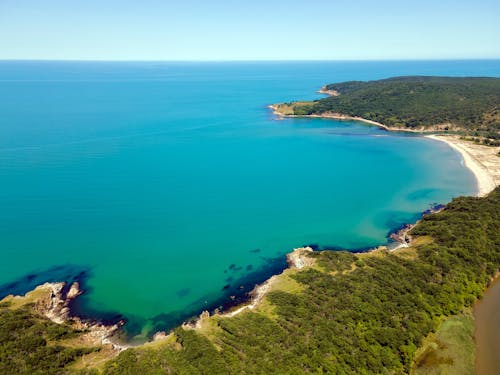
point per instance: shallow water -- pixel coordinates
(166, 187)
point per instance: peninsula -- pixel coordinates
(468, 106)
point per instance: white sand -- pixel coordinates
(481, 160)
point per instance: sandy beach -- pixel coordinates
(481, 160)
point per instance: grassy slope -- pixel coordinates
(450, 350)
(471, 104)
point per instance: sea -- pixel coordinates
(169, 188)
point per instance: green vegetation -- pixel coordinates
(30, 344)
(437, 103)
(450, 351)
(482, 141)
(355, 315)
(383, 313)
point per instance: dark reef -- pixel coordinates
(68, 273)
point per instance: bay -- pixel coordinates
(167, 187)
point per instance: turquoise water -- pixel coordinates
(165, 187)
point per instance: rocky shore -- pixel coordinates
(53, 300)
(325, 91)
(297, 259)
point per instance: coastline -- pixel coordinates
(53, 300)
(297, 259)
(342, 117)
(210, 326)
(481, 160)
(325, 91)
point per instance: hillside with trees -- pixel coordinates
(469, 105)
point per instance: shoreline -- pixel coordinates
(334, 116)
(325, 91)
(297, 259)
(343, 117)
(53, 300)
(58, 306)
(481, 160)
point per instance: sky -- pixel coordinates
(249, 30)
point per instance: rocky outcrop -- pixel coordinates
(330, 92)
(55, 305)
(299, 258)
(402, 235)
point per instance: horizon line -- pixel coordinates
(251, 60)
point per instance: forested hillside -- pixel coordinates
(448, 103)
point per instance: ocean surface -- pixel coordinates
(167, 188)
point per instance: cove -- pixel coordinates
(174, 187)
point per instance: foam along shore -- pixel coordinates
(483, 161)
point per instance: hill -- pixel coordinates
(468, 105)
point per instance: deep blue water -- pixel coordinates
(164, 183)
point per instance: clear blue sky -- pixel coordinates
(249, 30)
